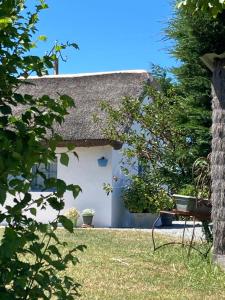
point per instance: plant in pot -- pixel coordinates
(202, 178)
(144, 199)
(197, 197)
(186, 198)
(72, 214)
(87, 215)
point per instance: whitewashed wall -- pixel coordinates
(90, 177)
(118, 181)
(86, 173)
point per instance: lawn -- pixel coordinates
(121, 265)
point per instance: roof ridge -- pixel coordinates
(139, 71)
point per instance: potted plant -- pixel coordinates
(87, 215)
(73, 215)
(196, 197)
(186, 198)
(144, 199)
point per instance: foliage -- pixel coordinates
(161, 140)
(178, 120)
(193, 36)
(187, 190)
(88, 212)
(202, 177)
(145, 195)
(214, 7)
(107, 187)
(170, 133)
(28, 139)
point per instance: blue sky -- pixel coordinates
(112, 35)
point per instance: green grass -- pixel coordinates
(122, 265)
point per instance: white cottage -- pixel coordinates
(88, 90)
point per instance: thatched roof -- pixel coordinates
(88, 90)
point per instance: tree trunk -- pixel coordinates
(218, 162)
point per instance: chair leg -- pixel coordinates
(185, 224)
(153, 229)
(192, 237)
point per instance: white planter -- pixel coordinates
(185, 203)
(191, 204)
(143, 220)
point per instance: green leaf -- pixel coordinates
(5, 109)
(60, 187)
(66, 223)
(42, 38)
(2, 196)
(33, 211)
(54, 250)
(81, 248)
(75, 189)
(67, 101)
(71, 147)
(64, 159)
(4, 22)
(56, 203)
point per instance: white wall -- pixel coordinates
(121, 217)
(118, 182)
(86, 173)
(90, 177)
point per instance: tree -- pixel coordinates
(218, 144)
(30, 252)
(162, 140)
(192, 37)
(213, 7)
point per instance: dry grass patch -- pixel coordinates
(122, 265)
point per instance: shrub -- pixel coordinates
(143, 196)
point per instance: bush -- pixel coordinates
(143, 196)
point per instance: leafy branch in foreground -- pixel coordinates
(32, 258)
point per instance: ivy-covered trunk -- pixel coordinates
(218, 162)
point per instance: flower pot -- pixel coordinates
(74, 221)
(166, 219)
(143, 220)
(102, 162)
(87, 220)
(185, 203)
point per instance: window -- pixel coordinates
(49, 171)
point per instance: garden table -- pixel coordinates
(186, 214)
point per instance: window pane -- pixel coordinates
(48, 171)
